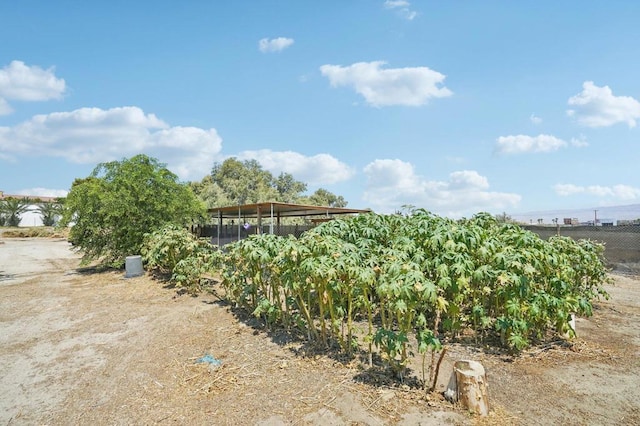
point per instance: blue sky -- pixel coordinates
(455, 107)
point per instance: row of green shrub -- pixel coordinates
(176, 253)
(388, 280)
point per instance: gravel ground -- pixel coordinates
(78, 347)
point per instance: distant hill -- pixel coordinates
(629, 212)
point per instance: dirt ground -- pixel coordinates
(79, 347)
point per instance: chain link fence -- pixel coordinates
(231, 233)
(622, 243)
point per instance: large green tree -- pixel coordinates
(244, 182)
(112, 209)
(288, 188)
(322, 197)
(235, 182)
(210, 193)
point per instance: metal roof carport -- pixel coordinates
(275, 210)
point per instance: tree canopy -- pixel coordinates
(112, 209)
(322, 197)
(12, 209)
(235, 182)
(49, 212)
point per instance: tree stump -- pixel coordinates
(468, 385)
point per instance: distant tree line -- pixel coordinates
(112, 210)
(235, 182)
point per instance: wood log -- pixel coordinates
(468, 385)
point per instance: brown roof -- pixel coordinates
(35, 198)
(279, 209)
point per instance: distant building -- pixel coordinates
(571, 221)
(607, 222)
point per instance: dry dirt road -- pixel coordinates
(95, 348)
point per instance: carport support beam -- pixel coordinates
(219, 225)
(259, 210)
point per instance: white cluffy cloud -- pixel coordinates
(598, 107)
(275, 44)
(402, 7)
(518, 144)
(5, 108)
(411, 86)
(618, 192)
(535, 119)
(394, 183)
(20, 82)
(320, 169)
(43, 192)
(94, 135)
(392, 4)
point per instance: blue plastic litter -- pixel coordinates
(209, 360)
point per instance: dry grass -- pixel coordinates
(144, 339)
(34, 232)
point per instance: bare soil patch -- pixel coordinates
(79, 347)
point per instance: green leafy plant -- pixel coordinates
(175, 252)
(111, 210)
(415, 280)
(195, 272)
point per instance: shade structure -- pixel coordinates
(275, 211)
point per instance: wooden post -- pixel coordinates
(468, 385)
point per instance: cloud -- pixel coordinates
(5, 108)
(519, 144)
(21, 82)
(618, 192)
(411, 86)
(402, 7)
(535, 119)
(43, 192)
(455, 160)
(394, 183)
(94, 135)
(320, 169)
(392, 4)
(580, 142)
(275, 44)
(467, 179)
(568, 189)
(598, 107)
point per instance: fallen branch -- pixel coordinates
(435, 376)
